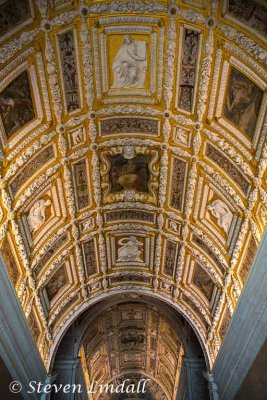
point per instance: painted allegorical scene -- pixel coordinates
(56, 282)
(16, 105)
(129, 173)
(250, 12)
(204, 282)
(12, 14)
(243, 102)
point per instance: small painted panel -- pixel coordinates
(203, 281)
(188, 70)
(225, 323)
(16, 105)
(69, 69)
(56, 282)
(248, 259)
(10, 262)
(170, 257)
(12, 14)
(129, 174)
(243, 101)
(34, 326)
(249, 12)
(178, 184)
(81, 184)
(89, 257)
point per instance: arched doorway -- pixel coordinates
(127, 339)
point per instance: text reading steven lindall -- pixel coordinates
(124, 387)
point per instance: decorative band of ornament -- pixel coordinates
(230, 169)
(130, 278)
(209, 252)
(29, 170)
(129, 215)
(51, 252)
(111, 126)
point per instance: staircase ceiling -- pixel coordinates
(133, 147)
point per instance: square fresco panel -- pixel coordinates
(129, 174)
(243, 101)
(16, 106)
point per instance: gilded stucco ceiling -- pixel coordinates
(134, 153)
(128, 341)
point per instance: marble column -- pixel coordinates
(213, 389)
(247, 331)
(182, 384)
(67, 374)
(196, 383)
(17, 346)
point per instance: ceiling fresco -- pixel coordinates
(133, 156)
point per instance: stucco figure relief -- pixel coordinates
(182, 136)
(37, 217)
(130, 64)
(222, 213)
(130, 250)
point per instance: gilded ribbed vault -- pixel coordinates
(132, 341)
(133, 155)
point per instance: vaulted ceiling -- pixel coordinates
(134, 153)
(131, 340)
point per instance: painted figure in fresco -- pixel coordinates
(243, 102)
(36, 217)
(251, 12)
(203, 281)
(16, 107)
(57, 281)
(129, 250)
(221, 211)
(130, 64)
